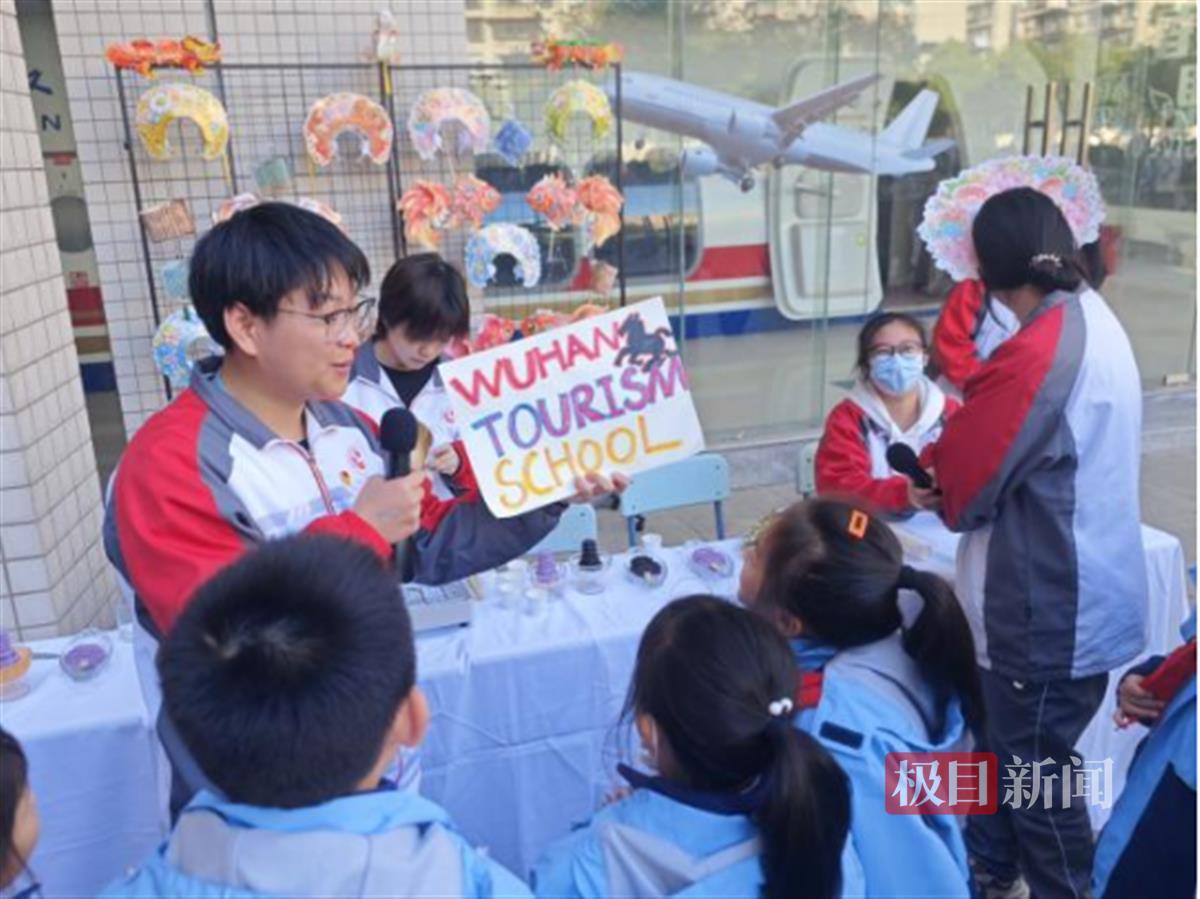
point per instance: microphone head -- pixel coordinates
(902, 459)
(398, 431)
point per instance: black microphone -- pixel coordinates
(398, 436)
(902, 459)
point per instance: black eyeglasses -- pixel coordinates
(360, 317)
(904, 350)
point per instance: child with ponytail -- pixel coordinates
(876, 675)
(742, 803)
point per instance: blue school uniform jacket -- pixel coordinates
(875, 701)
(382, 843)
(652, 845)
(1149, 842)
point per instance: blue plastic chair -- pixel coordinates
(700, 479)
(577, 524)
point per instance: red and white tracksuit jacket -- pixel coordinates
(1040, 469)
(203, 480)
(968, 331)
(852, 457)
(372, 393)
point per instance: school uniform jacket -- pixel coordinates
(1151, 836)
(382, 843)
(1040, 469)
(372, 392)
(852, 456)
(204, 480)
(968, 331)
(873, 700)
(652, 845)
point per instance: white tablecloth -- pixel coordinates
(930, 545)
(524, 740)
(92, 760)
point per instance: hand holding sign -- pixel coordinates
(604, 395)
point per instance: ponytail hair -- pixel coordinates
(804, 819)
(1021, 238)
(719, 683)
(839, 569)
(941, 643)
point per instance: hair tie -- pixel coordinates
(1055, 260)
(909, 578)
(780, 707)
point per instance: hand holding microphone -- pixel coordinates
(393, 506)
(922, 492)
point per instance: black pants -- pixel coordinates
(1034, 722)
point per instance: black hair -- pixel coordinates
(1021, 238)
(14, 781)
(284, 672)
(838, 569)
(875, 324)
(707, 673)
(428, 296)
(262, 254)
(1091, 260)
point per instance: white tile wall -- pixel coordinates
(53, 574)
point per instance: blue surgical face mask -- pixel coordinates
(897, 374)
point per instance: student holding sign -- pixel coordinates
(423, 305)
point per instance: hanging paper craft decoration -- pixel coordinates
(603, 277)
(179, 343)
(950, 212)
(387, 39)
(174, 276)
(168, 221)
(234, 205)
(553, 199)
(430, 208)
(596, 55)
(602, 204)
(578, 97)
(335, 113)
(161, 105)
(143, 56)
(273, 174)
(512, 141)
(473, 200)
(448, 106)
(324, 210)
(241, 202)
(503, 239)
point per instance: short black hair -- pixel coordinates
(262, 254)
(428, 296)
(285, 671)
(14, 780)
(1021, 237)
(875, 324)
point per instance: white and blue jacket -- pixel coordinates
(1151, 836)
(663, 840)
(382, 843)
(875, 701)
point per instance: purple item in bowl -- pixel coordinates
(712, 561)
(86, 656)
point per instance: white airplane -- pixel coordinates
(743, 134)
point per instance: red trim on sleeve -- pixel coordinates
(977, 440)
(843, 463)
(171, 534)
(352, 526)
(954, 350)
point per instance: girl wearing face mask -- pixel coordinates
(892, 402)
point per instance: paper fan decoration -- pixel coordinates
(578, 97)
(179, 343)
(472, 200)
(332, 114)
(503, 239)
(443, 106)
(602, 203)
(163, 104)
(553, 199)
(950, 212)
(426, 210)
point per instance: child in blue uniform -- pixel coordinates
(290, 678)
(742, 803)
(875, 678)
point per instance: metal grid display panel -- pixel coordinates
(267, 104)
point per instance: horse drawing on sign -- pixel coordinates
(643, 348)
